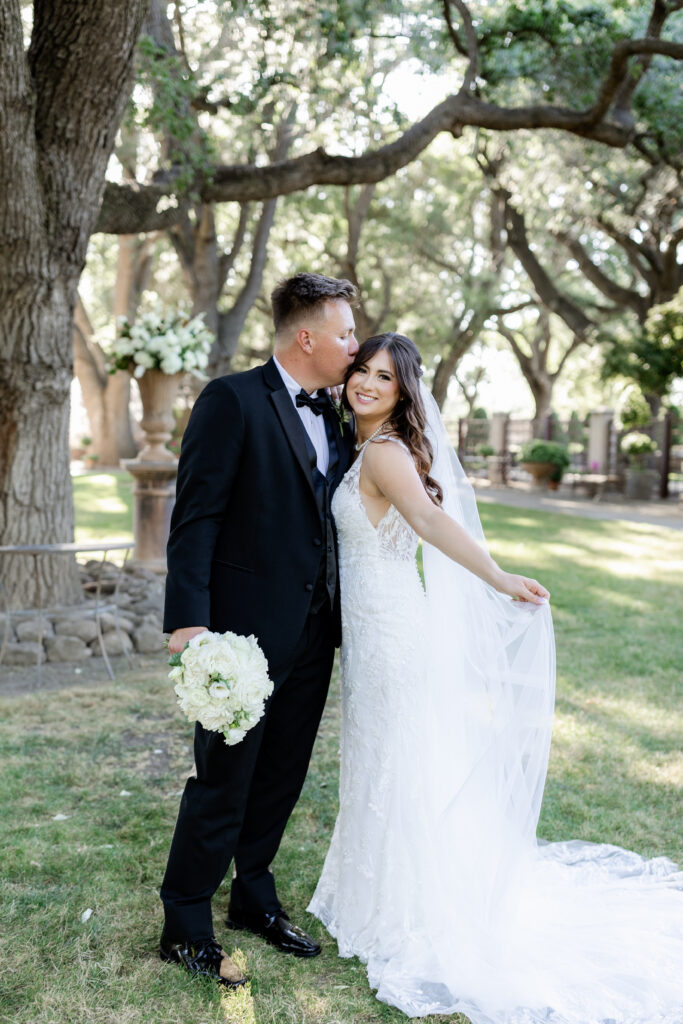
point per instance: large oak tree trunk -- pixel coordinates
(35, 483)
(61, 105)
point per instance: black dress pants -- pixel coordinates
(239, 803)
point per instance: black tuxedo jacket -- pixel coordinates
(245, 543)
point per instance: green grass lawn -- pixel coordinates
(113, 760)
(104, 505)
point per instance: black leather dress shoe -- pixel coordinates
(277, 929)
(205, 959)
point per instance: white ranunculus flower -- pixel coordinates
(235, 736)
(221, 691)
(152, 321)
(155, 345)
(143, 358)
(171, 364)
(200, 639)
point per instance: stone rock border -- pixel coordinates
(71, 636)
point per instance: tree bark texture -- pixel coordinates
(61, 104)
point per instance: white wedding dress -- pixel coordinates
(434, 877)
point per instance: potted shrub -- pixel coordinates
(544, 460)
(90, 459)
(637, 447)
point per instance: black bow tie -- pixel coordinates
(318, 405)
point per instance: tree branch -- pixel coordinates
(356, 215)
(127, 209)
(227, 259)
(522, 357)
(672, 270)
(88, 356)
(547, 291)
(621, 107)
(452, 30)
(637, 257)
(470, 79)
(618, 69)
(576, 341)
(609, 288)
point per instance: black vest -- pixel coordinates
(326, 583)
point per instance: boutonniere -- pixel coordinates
(343, 414)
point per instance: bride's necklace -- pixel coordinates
(379, 430)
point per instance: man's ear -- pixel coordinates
(304, 340)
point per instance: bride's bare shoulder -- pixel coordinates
(382, 454)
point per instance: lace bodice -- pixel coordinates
(393, 538)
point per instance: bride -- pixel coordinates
(434, 877)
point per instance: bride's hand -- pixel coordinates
(521, 588)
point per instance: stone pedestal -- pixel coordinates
(154, 470)
(154, 497)
(497, 463)
(496, 469)
(599, 440)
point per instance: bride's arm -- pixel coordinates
(391, 470)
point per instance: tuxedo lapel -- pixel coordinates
(290, 420)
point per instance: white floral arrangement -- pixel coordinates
(222, 681)
(637, 443)
(170, 341)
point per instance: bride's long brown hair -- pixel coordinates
(409, 419)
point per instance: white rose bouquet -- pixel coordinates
(222, 681)
(170, 341)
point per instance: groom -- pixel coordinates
(252, 550)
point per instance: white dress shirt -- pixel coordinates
(313, 425)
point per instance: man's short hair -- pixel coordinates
(303, 292)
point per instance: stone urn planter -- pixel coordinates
(545, 461)
(540, 471)
(640, 483)
(639, 449)
(157, 393)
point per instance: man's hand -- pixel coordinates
(179, 637)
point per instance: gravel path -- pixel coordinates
(657, 513)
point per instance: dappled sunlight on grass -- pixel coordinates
(615, 775)
(103, 506)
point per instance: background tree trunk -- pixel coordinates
(106, 396)
(61, 109)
